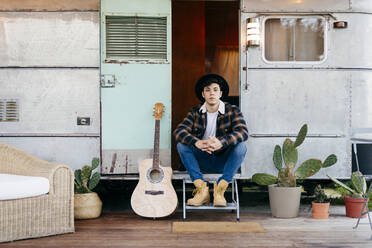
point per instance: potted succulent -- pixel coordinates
(354, 198)
(320, 204)
(284, 194)
(87, 204)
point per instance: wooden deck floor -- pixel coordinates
(125, 229)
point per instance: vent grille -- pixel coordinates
(2, 115)
(136, 37)
(9, 110)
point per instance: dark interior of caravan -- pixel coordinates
(205, 39)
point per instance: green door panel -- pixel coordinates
(127, 107)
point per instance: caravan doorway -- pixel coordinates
(205, 39)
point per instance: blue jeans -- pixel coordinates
(227, 163)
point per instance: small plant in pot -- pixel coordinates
(284, 194)
(87, 204)
(354, 199)
(320, 204)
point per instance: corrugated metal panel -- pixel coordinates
(259, 157)
(361, 5)
(295, 5)
(71, 151)
(49, 5)
(280, 101)
(51, 100)
(9, 110)
(355, 52)
(136, 37)
(49, 39)
(361, 101)
(2, 112)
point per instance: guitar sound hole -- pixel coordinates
(155, 175)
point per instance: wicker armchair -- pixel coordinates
(44, 215)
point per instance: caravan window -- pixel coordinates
(294, 39)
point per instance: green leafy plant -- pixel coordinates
(85, 182)
(287, 175)
(320, 196)
(357, 187)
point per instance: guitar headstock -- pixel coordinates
(158, 110)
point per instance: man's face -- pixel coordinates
(212, 93)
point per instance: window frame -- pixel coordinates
(133, 60)
(325, 40)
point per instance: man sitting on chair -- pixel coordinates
(211, 138)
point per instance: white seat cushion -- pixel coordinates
(16, 186)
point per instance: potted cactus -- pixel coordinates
(354, 199)
(284, 194)
(320, 204)
(87, 204)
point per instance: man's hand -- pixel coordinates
(214, 143)
(202, 144)
(210, 145)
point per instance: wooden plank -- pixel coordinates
(49, 5)
(125, 229)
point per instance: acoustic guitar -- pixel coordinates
(154, 195)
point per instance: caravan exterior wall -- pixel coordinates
(49, 64)
(332, 94)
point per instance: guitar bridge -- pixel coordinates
(154, 192)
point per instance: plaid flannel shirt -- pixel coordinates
(230, 130)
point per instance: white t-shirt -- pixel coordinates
(211, 125)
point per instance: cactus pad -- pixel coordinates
(329, 161)
(95, 163)
(308, 168)
(359, 182)
(94, 181)
(290, 154)
(301, 136)
(78, 177)
(277, 157)
(341, 184)
(264, 179)
(86, 172)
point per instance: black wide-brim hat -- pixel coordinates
(209, 79)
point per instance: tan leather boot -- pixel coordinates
(200, 193)
(218, 193)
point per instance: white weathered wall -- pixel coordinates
(49, 61)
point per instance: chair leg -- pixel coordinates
(237, 200)
(184, 199)
(365, 206)
(367, 196)
(361, 213)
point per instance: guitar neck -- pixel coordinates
(156, 161)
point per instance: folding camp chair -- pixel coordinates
(357, 139)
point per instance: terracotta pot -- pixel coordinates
(354, 206)
(87, 206)
(284, 201)
(320, 210)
